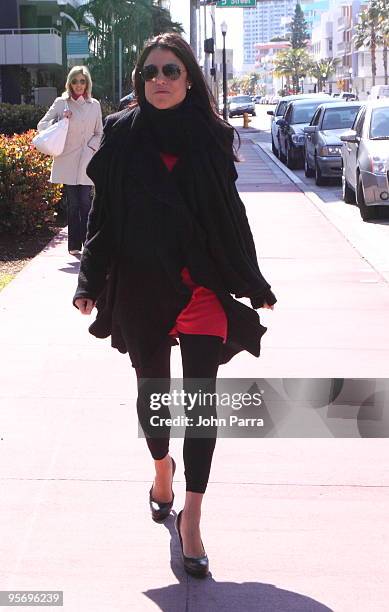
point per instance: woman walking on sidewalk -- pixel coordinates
(168, 242)
(82, 140)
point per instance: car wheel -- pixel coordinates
(319, 179)
(290, 158)
(230, 116)
(367, 212)
(347, 192)
(307, 168)
(273, 147)
(254, 114)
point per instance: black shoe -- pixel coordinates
(161, 510)
(196, 566)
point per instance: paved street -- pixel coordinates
(289, 524)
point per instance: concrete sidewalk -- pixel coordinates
(290, 525)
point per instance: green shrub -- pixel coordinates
(28, 200)
(19, 118)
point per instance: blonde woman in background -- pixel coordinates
(82, 140)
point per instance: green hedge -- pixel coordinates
(19, 118)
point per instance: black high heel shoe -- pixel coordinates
(161, 510)
(196, 566)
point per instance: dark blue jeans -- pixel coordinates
(79, 203)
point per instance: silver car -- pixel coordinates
(279, 112)
(323, 147)
(365, 156)
(238, 105)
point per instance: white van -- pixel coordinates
(379, 91)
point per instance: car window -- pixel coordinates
(240, 99)
(281, 108)
(288, 113)
(339, 118)
(316, 117)
(303, 112)
(358, 123)
(379, 124)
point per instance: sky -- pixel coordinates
(233, 17)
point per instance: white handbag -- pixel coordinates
(51, 141)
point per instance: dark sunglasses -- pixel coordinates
(170, 71)
(81, 81)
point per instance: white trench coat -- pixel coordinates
(82, 140)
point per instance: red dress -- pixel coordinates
(204, 313)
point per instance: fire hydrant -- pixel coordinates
(246, 120)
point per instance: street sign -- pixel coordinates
(77, 44)
(235, 3)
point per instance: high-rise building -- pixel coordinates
(313, 9)
(267, 20)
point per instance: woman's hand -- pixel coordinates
(265, 305)
(67, 114)
(85, 305)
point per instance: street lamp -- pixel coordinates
(224, 32)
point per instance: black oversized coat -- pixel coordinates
(147, 223)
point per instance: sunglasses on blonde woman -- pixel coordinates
(76, 81)
(170, 71)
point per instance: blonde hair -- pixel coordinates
(78, 70)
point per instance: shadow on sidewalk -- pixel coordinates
(208, 595)
(73, 267)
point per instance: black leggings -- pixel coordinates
(200, 356)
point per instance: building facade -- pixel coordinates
(333, 37)
(264, 65)
(269, 19)
(31, 47)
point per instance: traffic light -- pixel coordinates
(209, 45)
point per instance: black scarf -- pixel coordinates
(168, 127)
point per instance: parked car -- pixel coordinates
(278, 113)
(323, 147)
(365, 156)
(348, 96)
(257, 99)
(241, 104)
(291, 137)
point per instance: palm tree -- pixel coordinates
(322, 70)
(367, 33)
(294, 63)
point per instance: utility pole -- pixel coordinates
(193, 25)
(206, 53)
(214, 74)
(113, 57)
(120, 68)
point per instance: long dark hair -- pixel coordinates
(199, 92)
